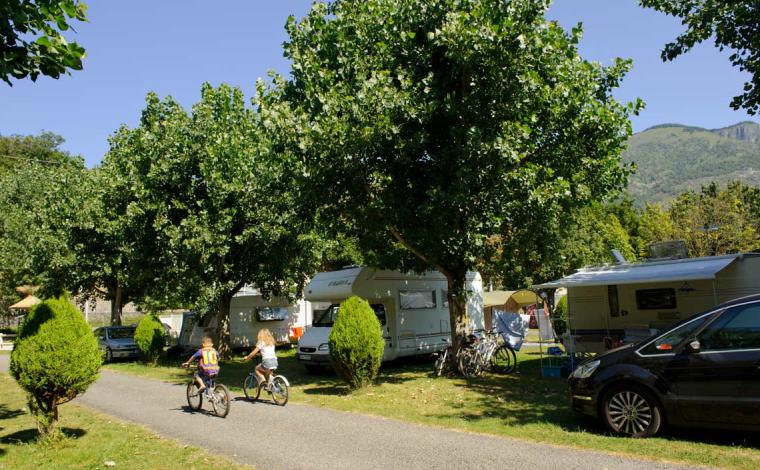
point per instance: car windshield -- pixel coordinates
(121, 333)
(327, 318)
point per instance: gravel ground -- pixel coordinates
(306, 437)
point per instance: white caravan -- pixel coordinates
(250, 312)
(610, 305)
(412, 309)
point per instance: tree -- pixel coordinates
(713, 221)
(18, 150)
(54, 359)
(733, 23)
(38, 204)
(356, 343)
(219, 195)
(31, 43)
(429, 127)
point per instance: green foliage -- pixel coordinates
(733, 24)
(212, 200)
(150, 338)
(429, 127)
(356, 343)
(579, 238)
(55, 358)
(19, 150)
(559, 319)
(31, 43)
(672, 159)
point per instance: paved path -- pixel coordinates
(307, 437)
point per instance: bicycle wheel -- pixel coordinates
(468, 363)
(251, 387)
(503, 360)
(194, 397)
(280, 390)
(221, 401)
(440, 363)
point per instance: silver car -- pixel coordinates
(117, 342)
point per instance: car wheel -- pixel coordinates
(109, 355)
(631, 411)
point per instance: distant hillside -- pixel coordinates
(672, 158)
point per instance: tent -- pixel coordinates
(26, 303)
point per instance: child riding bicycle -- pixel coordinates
(264, 345)
(208, 362)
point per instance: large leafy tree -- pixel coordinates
(223, 208)
(38, 204)
(430, 126)
(712, 221)
(734, 25)
(31, 39)
(43, 149)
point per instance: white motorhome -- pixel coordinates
(250, 312)
(412, 309)
(624, 303)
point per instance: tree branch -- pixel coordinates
(417, 252)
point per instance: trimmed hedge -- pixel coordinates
(55, 358)
(150, 338)
(356, 343)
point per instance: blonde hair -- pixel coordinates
(207, 340)
(265, 336)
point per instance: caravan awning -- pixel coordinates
(660, 271)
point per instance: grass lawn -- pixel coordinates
(91, 440)
(521, 405)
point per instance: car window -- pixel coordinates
(666, 343)
(737, 328)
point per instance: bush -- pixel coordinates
(55, 358)
(150, 338)
(356, 343)
(559, 319)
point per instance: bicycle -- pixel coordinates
(215, 393)
(442, 363)
(477, 355)
(278, 387)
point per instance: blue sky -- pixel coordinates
(172, 46)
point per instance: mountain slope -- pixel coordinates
(672, 158)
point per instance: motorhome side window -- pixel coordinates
(327, 318)
(416, 299)
(656, 299)
(271, 313)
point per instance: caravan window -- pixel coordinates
(272, 313)
(416, 299)
(328, 316)
(656, 299)
(612, 298)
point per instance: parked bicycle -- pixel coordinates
(476, 355)
(277, 386)
(215, 393)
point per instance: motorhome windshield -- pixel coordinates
(328, 316)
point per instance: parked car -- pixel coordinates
(117, 342)
(702, 372)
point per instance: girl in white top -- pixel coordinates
(264, 345)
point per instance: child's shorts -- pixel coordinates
(269, 363)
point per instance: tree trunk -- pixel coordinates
(222, 339)
(457, 296)
(115, 304)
